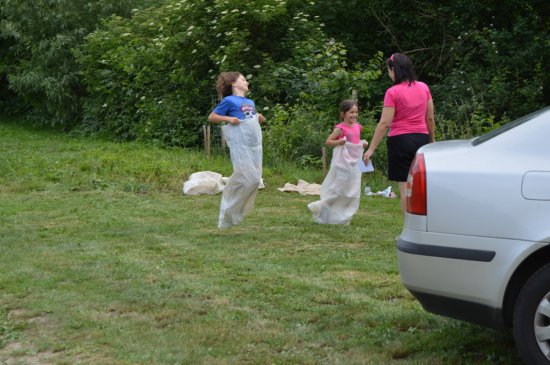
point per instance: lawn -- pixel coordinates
(103, 260)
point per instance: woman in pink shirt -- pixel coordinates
(408, 113)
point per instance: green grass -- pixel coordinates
(103, 260)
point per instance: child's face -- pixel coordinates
(351, 115)
(241, 84)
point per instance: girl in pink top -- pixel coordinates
(408, 113)
(348, 130)
(341, 188)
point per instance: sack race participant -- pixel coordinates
(245, 148)
(244, 139)
(341, 188)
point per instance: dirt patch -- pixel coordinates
(21, 352)
(17, 353)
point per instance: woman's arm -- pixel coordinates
(216, 118)
(430, 120)
(380, 131)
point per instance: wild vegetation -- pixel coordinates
(145, 69)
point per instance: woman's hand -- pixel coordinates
(367, 156)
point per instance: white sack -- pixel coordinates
(203, 182)
(341, 189)
(303, 187)
(245, 147)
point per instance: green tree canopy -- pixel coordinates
(37, 38)
(146, 69)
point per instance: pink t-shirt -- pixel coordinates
(410, 103)
(351, 132)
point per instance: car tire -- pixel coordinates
(532, 316)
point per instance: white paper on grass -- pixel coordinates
(341, 189)
(245, 148)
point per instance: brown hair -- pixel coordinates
(402, 67)
(224, 84)
(345, 106)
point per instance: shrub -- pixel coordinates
(152, 77)
(40, 67)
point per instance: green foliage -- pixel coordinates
(296, 133)
(491, 75)
(152, 77)
(40, 67)
(318, 75)
(145, 76)
(477, 125)
(146, 69)
(316, 80)
(476, 56)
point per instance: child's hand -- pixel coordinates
(342, 141)
(365, 144)
(233, 120)
(261, 118)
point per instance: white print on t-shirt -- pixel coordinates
(248, 110)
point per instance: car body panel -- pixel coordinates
(535, 185)
(477, 180)
(477, 281)
(488, 210)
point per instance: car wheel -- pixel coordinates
(532, 319)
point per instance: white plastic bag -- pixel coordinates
(245, 147)
(341, 189)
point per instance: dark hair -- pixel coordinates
(402, 67)
(346, 105)
(224, 84)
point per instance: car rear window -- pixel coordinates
(511, 125)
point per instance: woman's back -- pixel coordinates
(410, 102)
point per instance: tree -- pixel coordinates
(483, 57)
(40, 67)
(152, 77)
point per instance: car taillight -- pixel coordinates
(416, 187)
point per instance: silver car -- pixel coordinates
(476, 239)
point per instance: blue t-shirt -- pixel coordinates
(236, 106)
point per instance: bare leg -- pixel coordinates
(402, 191)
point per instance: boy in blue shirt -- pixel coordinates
(244, 138)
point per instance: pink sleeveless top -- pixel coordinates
(351, 132)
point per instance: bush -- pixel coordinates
(152, 77)
(38, 63)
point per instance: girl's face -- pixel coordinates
(351, 115)
(240, 85)
(391, 74)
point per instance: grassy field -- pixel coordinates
(103, 260)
